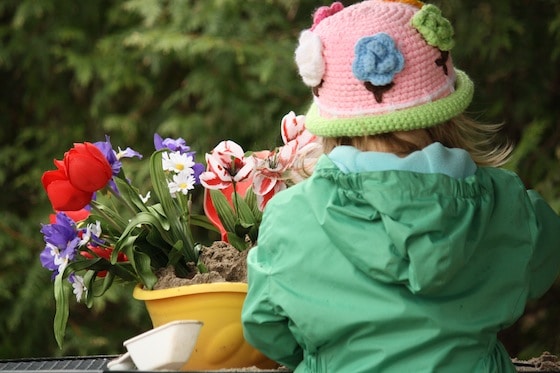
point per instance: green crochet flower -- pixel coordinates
(436, 29)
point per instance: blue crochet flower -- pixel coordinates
(377, 59)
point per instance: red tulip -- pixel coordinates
(77, 216)
(83, 171)
(62, 194)
(87, 168)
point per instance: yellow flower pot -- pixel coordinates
(220, 343)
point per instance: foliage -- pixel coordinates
(75, 72)
(209, 70)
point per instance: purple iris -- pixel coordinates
(61, 240)
(198, 168)
(129, 153)
(107, 150)
(179, 145)
(113, 157)
(176, 145)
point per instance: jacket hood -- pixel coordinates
(410, 228)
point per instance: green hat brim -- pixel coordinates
(421, 116)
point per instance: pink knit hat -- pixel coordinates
(380, 66)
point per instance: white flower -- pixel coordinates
(309, 58)
(93, 231)
(79, 287)
(146, 197)
(182, 182)
(58, 260)
(177, 162)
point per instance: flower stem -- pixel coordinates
(234, 199)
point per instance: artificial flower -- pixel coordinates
(87, 168)
(62, 194)
(182, 182)
(77, 215)
(377, 59)
(61, 242)
(293, 128)
(326, 11)
(309, 58)
(127, 153)
(110, 231)
(176, 145)
(177, 162)
(227, 164)
(434, 27)
(78, 286)
(270, 172)
(179, 145)
(91, 234)
(118, 234)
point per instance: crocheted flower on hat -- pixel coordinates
(377, 60)
(309, 58)
(326, 11)
(434, 28)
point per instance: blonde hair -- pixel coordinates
(480, 140)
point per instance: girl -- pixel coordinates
(407, 250)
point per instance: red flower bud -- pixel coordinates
(87, 168)
(105, 253)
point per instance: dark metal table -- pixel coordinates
(65, 364)
(81, 364)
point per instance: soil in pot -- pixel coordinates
(224, 262)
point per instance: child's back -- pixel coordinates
(396, 271)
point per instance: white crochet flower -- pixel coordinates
(309, 58)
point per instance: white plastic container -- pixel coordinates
(167, 347)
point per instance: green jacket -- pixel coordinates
(397, 271)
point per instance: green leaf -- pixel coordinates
(107, 282)
(243, 229)
(224, 210)
(142, 263)
(61, 314)
(176, 253)
(130, 194)
(251, 200)
(254, 233)
(154, 238)
(147, 219)
(157, 210)
(172, 209)
(89, 278)
(106, 214)
(202, 221)
(245, 213)
(236, 241)
(161, 189)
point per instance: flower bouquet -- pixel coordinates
(106, 230)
